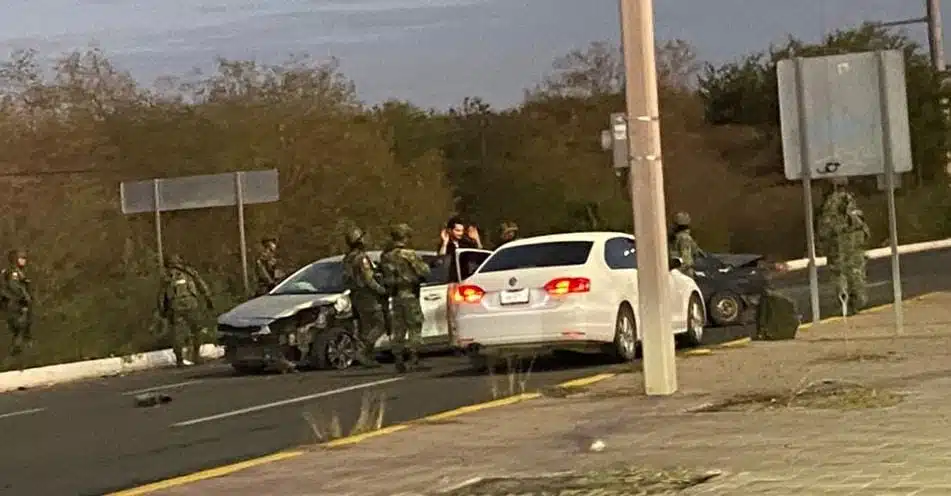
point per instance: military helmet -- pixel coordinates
(401, 232)
(508, 226)
(682, 219)
(268, 239)
(353, 236)
(16, 254)
(174, 260)
(839, 181)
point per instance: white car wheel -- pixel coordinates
(695, 321)
(625, 335)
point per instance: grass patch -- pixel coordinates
(370, 418)
(518, 373)
(635, 480)
(889, 356)
(825, 395)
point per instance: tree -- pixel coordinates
(94, 268)
(745, 92)
(598, 71)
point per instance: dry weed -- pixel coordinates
(516, 381)
(372, 412)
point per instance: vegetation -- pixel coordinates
(343, 162)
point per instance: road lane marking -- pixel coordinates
(807, 325)
(207, 474)
(736, 343)
(349, 440)
(21, 412)
(289, 401)
(159, 388)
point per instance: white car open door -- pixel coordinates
(467, 262)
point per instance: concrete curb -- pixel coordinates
(66, 372)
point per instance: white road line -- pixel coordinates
(289, 401)
(21, 412)
(159, 388)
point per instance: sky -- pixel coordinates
(431, 52)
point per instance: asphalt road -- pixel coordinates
(88, 438)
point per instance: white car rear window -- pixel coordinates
(553, 254)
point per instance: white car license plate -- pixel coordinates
(514, 297)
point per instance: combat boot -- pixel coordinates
(400, 362)
(367, 362)
(415, 363)
(196, 358)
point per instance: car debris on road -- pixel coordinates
(151, 399)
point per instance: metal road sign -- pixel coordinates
(194, 192)
(844, 115)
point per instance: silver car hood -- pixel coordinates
(268, 308)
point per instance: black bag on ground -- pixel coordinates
(776, 317)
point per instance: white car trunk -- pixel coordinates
(530, 312)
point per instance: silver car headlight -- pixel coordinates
(322, 317)
(342, 305)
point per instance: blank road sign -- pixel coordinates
(205, 191)
(854, 105)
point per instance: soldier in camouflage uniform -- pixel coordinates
(367, 297)
(682, 244)
(180, 298)
(18, 301)
(508, 231)
(266, 267)
(403, 273)
(842, 235)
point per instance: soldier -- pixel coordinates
(180, 306)
(367, 296)
(842, 235)
(508, 231)
(682, 244)
(266, 266)
(403, 273)
(18, 301)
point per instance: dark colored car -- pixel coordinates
(732, 285)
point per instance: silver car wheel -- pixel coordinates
(695, 320)
(341, 352)
(626, 336)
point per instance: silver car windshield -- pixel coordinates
(318, 278)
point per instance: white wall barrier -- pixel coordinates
(88, 369)
(940, 244)
(66, 372)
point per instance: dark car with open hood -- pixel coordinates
(732, 285)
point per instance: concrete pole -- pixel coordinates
(647, 193)
(936, 47)
(935, 34)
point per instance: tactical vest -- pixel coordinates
(181, 291)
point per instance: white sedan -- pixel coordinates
(575, 291)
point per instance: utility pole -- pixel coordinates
(936, 49)
(935, 35)
(647, 194)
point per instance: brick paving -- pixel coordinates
(901, 450)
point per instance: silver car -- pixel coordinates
(306, 320)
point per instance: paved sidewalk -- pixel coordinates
(903, 449)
